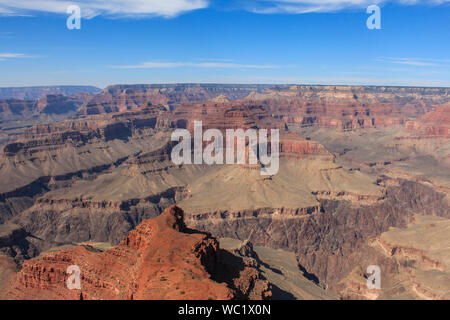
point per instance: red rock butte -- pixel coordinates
(160, 259)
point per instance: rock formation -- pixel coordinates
(161, 259)
(121, 97)
(435, 123)
(347, 107)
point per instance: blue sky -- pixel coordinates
(233, 41)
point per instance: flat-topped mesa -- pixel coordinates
(160, 259)
(435, 123)
(293, 145)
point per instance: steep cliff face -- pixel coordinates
(161, 259)
(435, 123)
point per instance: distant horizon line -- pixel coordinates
(224, 84)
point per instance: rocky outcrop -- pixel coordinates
(246, 250)
(161, 259)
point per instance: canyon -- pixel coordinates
(363, 180)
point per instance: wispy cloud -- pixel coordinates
(12, 55)
(173, 8)
(114, 8)
(307, 6)
(229, 65)
(416, 62)
(7, 56)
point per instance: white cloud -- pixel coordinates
(172, 8)
(155, 65)
(12, 55)
(114, 8)
(306, 6)
(6, 56)
(416, 62)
